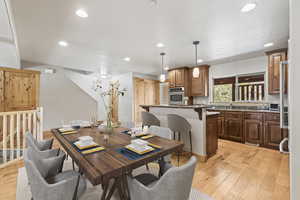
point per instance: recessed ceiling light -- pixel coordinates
(269, 44)
(127, 59)
(160, 45)
(82, 13)
(248, 7)
(63, 43)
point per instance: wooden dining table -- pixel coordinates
(110, 166)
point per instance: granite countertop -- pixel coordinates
(178, 106)
(243, 110)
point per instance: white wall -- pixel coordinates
(253, 65)
(63, 100)
(9, 54)
(294, 98)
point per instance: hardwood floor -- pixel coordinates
(237, 171)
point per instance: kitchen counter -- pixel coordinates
(242, 110)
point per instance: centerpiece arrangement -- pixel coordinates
(110, 100)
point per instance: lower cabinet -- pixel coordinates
(211, 135)
(273, 134)
(258, 128)
(234, 126)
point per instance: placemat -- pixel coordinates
(132, 155)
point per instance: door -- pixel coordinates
(179, 77)
(21, 90)
(172, 78)
(253, 130)
(273, 134)
(274, 71)
(139, 98)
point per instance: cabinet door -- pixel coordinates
(200, 84)
(220, 127)
(274, 71)
(21, 91)
(211, 135)
(253, 131)
(179, 77)
(172, 79)
(273, 135)
(234, 129)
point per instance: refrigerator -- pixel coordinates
(284, 107)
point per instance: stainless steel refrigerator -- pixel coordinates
(284, 107)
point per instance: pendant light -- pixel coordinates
(162, 77)
(196, 71)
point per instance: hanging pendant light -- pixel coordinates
(162, 77)
(196, 71)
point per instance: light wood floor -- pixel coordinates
(237, 171)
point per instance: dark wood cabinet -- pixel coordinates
(172, 80)
(273, 133)
(275, 57)
(211, 135)
(220, 127)
(253, 128)
(200, 81)
(179, 74)
(234, 126)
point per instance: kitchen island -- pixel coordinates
(195, 114)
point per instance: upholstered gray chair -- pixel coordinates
(180, 125)
(148, 119)
(40, 145)
(68, 185)
(175, 184)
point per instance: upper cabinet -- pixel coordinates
(199, 81)
(275, 57)
(19, 89)
(179, 77)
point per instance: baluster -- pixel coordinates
(24, 130)
(4, 138)
(34, 125)
(18, 136)
(255, 92)
(29, 123)
(12, 136)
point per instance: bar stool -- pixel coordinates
(148, 119)
(180, 125)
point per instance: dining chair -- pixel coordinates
(175, 184)
(180, 125)
(41, 145)
(68, 185)
(149, 119)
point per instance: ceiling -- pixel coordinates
(119, 28)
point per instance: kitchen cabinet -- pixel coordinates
(211, 135)
(200, 81)
(253, 128)
(220, 125)
(234, 126)
(274, 59)
(273, 134)
(179, 77)
(19, 89)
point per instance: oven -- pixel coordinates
(176, 96)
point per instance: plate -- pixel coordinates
(140, 149)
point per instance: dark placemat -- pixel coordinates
(132, 155)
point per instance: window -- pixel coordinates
(241, 88)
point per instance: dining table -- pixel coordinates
(111, 166)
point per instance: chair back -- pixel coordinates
(161, 132)
(148, 119)
(176, 183)
(178, 124)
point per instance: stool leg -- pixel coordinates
(179, 136)
(191, 145)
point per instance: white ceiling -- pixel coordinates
(119, 28)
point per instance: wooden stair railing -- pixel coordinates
(13, 127)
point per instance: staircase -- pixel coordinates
(13, 127)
